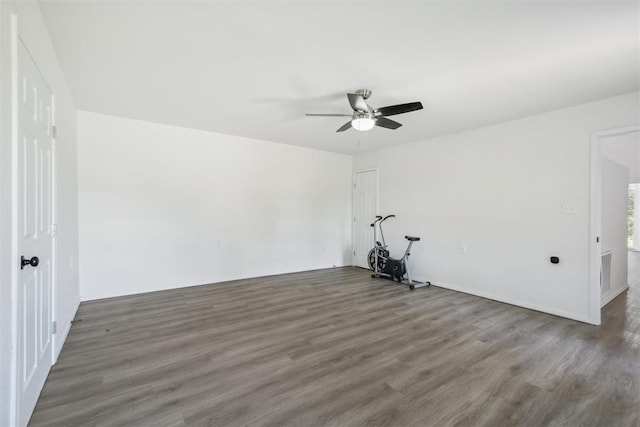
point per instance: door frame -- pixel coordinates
(352, 219)
(595, 217)
(15, 39)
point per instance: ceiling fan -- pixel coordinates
(364, 117)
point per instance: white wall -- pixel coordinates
(624, 150)
(165, 207)
(498, 191)
(613, 235)
(33, 31)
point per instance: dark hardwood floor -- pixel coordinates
(337, 348)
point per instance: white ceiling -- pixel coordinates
(254, 68)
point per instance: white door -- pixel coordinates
(35, 231)
(365, 204)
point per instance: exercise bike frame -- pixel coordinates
(381, 257)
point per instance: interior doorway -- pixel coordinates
(619, 158)
(633, 232)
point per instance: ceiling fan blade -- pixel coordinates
(399, 109)
(345, 127)
(358, 103)
(387, 123)
(328, 115)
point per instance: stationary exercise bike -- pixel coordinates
(391, 268)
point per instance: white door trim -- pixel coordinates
(595, 217)
(353, 184)
(54, 220)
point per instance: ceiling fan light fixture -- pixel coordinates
(362, 122)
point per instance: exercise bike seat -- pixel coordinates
(412, 239)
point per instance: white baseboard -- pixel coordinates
(519, 303)
(611, 295)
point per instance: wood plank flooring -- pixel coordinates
(337, 348)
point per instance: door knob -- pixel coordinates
(33, 262)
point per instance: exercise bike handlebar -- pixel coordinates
(381, 219)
